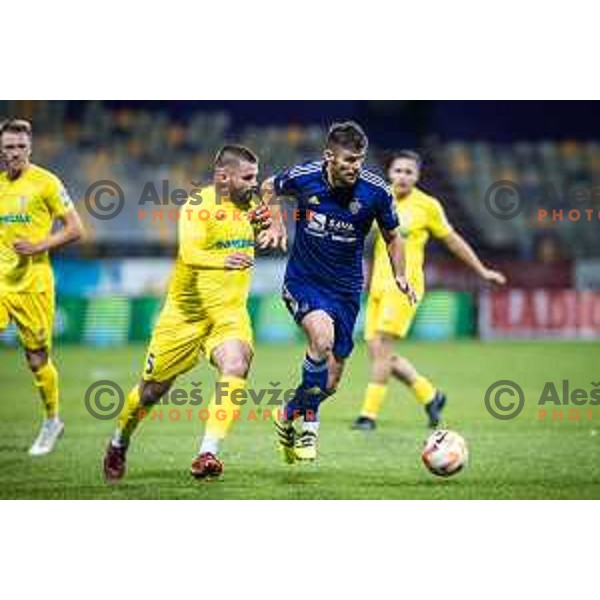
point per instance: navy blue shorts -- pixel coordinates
(302, 298)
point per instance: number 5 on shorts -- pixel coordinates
(149, 364)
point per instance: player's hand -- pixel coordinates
(406, 289)
(238, 261)
(273, 237)
(261, 216)
(493, 277)
(27, 248)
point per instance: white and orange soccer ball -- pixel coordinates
(445, 453)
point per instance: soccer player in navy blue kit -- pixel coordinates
(338, 201)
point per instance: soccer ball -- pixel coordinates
(445, 453)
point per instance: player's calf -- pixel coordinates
(139, 400)
(232, 358)
(45, 377)
(380, 352)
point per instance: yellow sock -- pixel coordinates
(46, 380)
(423, 390)
(130, 417)
(221, 414)
(374, 397)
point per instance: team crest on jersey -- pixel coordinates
(404, 224)
(354, 206)
(314, 201)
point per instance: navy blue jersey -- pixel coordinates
(333, 225)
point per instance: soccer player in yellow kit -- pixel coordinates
(205, 310)
(31, 199)
(389, 315)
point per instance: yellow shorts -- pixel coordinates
(33, 314)
(177, 341)
(388, 312)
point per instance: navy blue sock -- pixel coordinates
(311, 391)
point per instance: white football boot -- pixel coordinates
(49, 434)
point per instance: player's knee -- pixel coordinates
(373, 346)
(36, 359)
(381, 369)
(380, 361)
(384, 347)
(321, 343)
(236, 365)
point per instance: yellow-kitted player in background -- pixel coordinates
(389, 315)
(31, 199)
(205, 310)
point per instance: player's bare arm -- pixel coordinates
(198, 257)
(71, 231)
(395, 249)
(274, 236)
(461, 249)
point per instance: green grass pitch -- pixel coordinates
(520, 458)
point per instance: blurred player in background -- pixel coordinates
(389, 315)
(31, 200)
(205, 310)
(338, 201)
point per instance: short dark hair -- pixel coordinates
(234, 154)
(406, 154)
(347, 135)
(15, 126)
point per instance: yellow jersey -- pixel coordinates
(28, 207)
(208, 233)
(421, 215)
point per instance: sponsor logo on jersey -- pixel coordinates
(221, 244)
(318, 223)
(337, 229)
(11, 218)
(339, 225)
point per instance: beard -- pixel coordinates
(242, 196)
(343, 178)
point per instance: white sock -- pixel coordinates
(312, 426)
(117, 440)
(209, 444)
